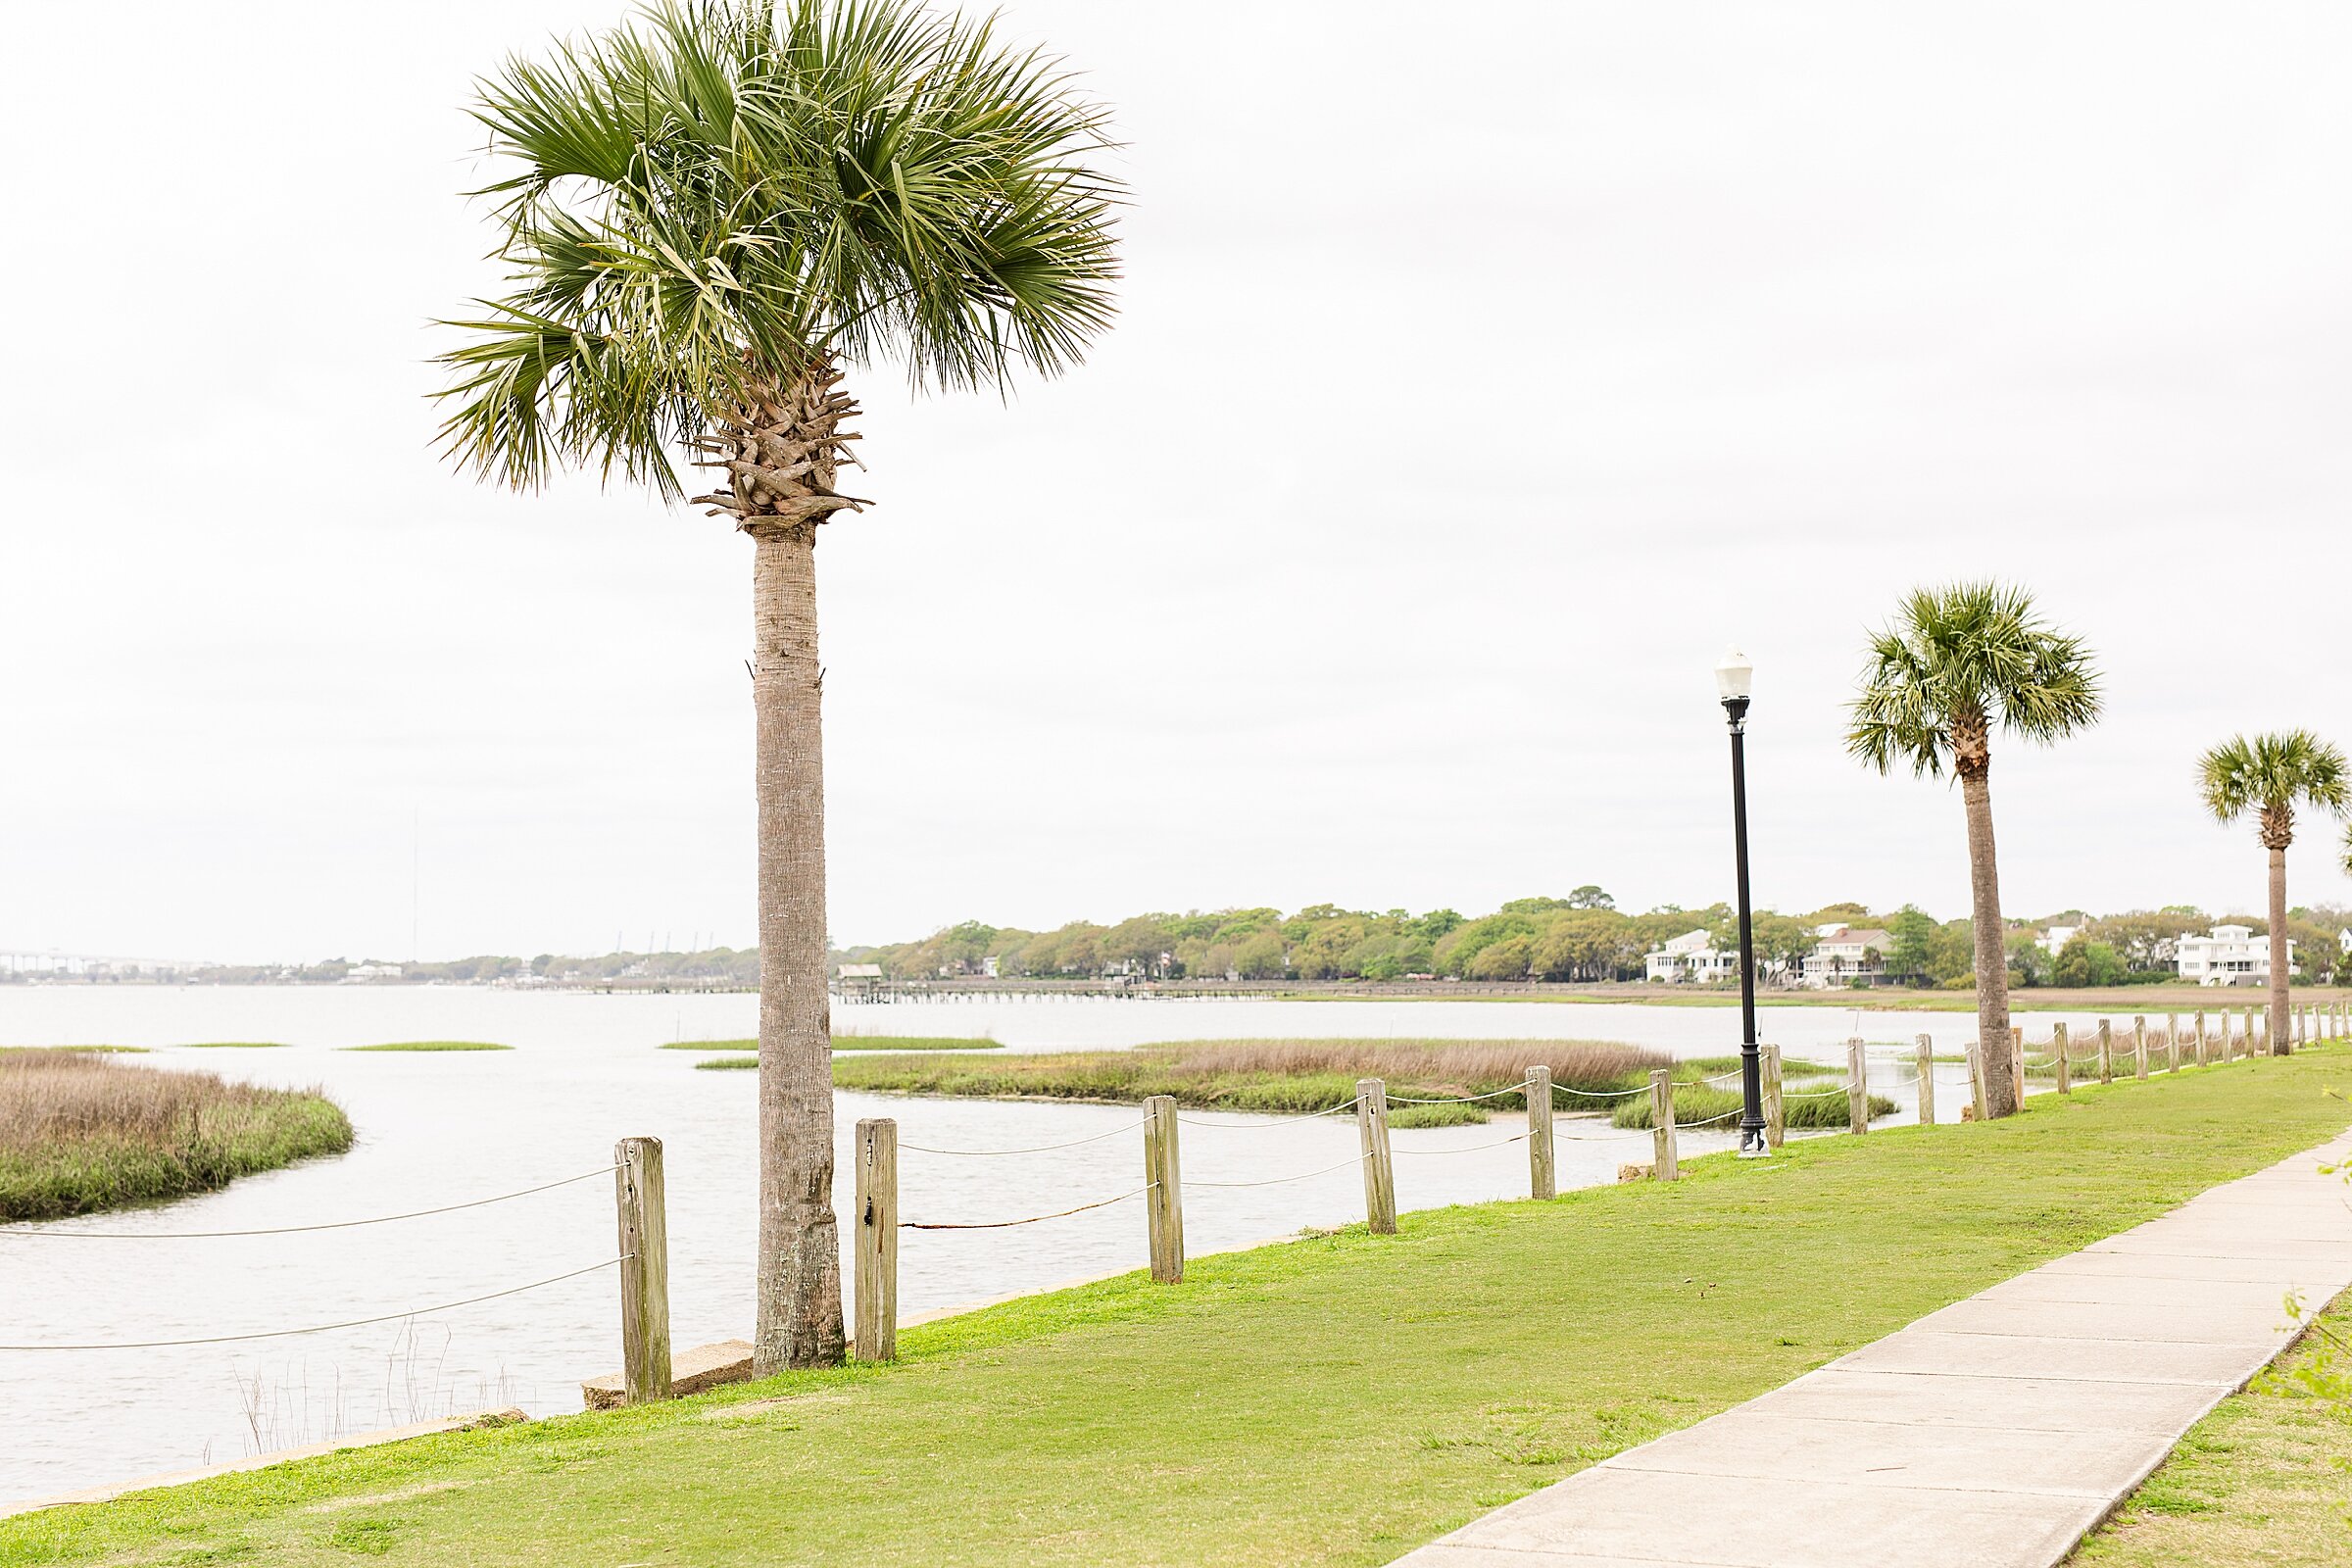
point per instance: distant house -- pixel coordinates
(2230, 956)
(1846, 955)
(2054, 940)
(363, 972)
(1690, 956)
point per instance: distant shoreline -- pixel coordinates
(2114, 1000)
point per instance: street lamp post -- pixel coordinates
(1734, 678)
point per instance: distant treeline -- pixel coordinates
(1581, 937)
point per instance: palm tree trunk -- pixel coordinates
(2280, 1041)
(800, 1321)
(1993, 958)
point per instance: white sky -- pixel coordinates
(1484, 370)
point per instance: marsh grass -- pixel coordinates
(432, 1045)
(79, 1133)
(1286, 1077)
(727, 1065)
(86, 1051)
(858, 1043)
(1703, 1103)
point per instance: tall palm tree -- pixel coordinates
(709, 216)
(1955, 663)
(2270, 775)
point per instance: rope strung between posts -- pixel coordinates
(329, 1328)
(1041, 1148)
(1467, 1149)
(1816, 1094)
(1007, 1224)
(1277, 1181)
(295, 1230)
(1268, 1126)
(1602, 1094)
(1685, 1126)
(1459, 1100)
(1617, 1136)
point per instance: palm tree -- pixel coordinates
(707, 217)
(1956, 661)
(2269, 775)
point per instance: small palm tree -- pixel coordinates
(2270, 775)
(1955, 663)
(707, 217)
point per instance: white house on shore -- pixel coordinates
(1692, 956)
(2230, 956)
(1846, 955)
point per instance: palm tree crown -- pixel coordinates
(2270, 775)
(727, 197)
(1954, 661)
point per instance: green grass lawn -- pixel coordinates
(432, 1045)
(2263, 1482)
(1333, 1400)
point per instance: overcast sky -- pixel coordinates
(1484, 369)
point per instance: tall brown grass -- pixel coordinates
(80, 1133)
(1287, 1076)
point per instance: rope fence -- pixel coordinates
(2102, 1051)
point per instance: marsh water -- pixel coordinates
(441, 1128)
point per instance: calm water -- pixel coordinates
(443, 1128)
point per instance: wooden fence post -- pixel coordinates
(1924, 1050)
(2258, 1029)
(2201, 1037)
(2060, 1053)
(876, 1265)
(2016, 1066)
(2172, 1042)
(1975, 1073)
(2140, 1047)
(644, 1270)
(1776, 1110)
(2106, 1052)
(2303, 1024)
(1164, 1200)
(1380, 1176)
(1857, 1087)
(1540, 1180)
(1661, 1123)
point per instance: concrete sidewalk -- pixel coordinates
(1993, 1433)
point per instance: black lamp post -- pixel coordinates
(1734, 678)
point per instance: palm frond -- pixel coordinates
(727, 183)
(1966, 651)
(2274, 772)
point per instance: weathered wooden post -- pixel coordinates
(1380, 1176)
(2172, 1042)
(2140, 1047)
(875, 1267)
(2226, 1049)
(1163, 1198)
(644, 1270)
(1922, 1050)
(1975, 1073)
(1776, 1110)
(2201, 1046)
(2258, 1032)
(1540, 1180)
(1661, 1123)
(2062, 1057)
(2016, 1066)
(2303, 1024)
(1857, 1087)
(2106, 1052)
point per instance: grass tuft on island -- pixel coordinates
(432, 1045)
(858, 1043)
(1284, 1077)
(79, 1133)
(86, 1051)
(1324, 1403)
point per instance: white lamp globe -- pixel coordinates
(1734, 676)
